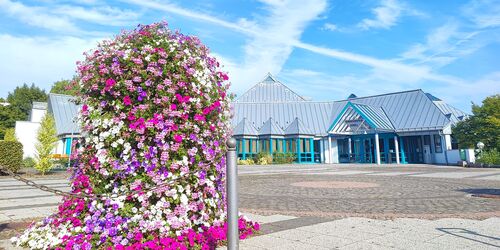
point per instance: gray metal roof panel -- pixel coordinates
(271, 127)
(245, 128)
(297, 127)
(65, 112)
(270, 90)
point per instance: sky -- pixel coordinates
(324, 50)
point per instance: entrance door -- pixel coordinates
(427, 154)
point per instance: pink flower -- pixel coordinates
(198, 117)
(110, 83)
(127, 101)
(178, 138)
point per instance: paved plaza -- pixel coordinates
(335, 206)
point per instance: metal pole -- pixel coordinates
(233, 236)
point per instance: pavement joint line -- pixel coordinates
(29, 187)
(28, 206)
(28, 197)
(485, 175)
(292, 224)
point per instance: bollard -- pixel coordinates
(233, 236)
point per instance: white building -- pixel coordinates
(26, 130)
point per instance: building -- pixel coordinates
(64, 112)
(402, 127)
(26, 131)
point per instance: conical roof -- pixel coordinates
(245, 128)
(270, 90)
(297, 127)
(270, 127)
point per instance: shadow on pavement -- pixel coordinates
(467, 234)
(482, 192)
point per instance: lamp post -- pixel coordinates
(233, 236)
(480, 146)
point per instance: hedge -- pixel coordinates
(11, 155)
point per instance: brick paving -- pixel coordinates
(397, 195)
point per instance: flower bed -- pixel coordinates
(154, 111)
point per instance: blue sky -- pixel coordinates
(322, 49)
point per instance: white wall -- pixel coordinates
(60, 147)
(335, 151)
(37, 115)
(454, 157)
(26, 134)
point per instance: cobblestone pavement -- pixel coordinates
(416, 191)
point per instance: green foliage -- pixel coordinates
(11, 155)
(8, 117)
(20, 100)
(491, 157)
(248, 161)
(263, 158)
(10, 135)
(65, 87)
(46, 142)
(283, 158)
(23, 97)
(483, 125)
(29, 162)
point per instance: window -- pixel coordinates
(427, 141)
(438, 144)
(454, 143)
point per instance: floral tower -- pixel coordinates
(150, 167)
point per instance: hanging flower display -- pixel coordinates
(155, 117)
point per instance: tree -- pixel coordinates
(23, 97)
(10, 135)
(483, 125)
(65, 87)
(46, 142)
(21, 101)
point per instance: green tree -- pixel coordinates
(46, 142)
(65, 87)
(10, 135)
(23, 97)
(483, 125)
(21, 101)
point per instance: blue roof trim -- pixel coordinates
(337, 119)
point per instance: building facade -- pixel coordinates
(402, 127)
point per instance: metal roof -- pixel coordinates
(403, 111)
(297, 127)
(245, 128)
(271, 127)
(270, 90)
(454, 114)
(65, 112)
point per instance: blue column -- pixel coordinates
(258, 148)
(271, 146)
(311, 148)
(362, 149)
(68, 145)
(386, 149)
(402, 146)
(298, 150)
(284, 145)
(243, 153)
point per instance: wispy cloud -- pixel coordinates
(484, 13)
(36, 16)
(272, 42)
(330, 27)
(102, 15)
(47, 59)
(385, 16)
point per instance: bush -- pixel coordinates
(11, 155)
(10, 135)
(29, 162)
(263, 158)
(491, 157)
(283, 158)
(248, 161)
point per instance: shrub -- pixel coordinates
(10, 135)
(29, 162)
(11, 155)
(263, 158)
(248, 161)
(283, 158)
(47, 139)
(491, 157)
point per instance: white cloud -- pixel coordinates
(386, 15)
(103, 15)
(330, 27)
(484, 13)
(46, 59)
(37, 16)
